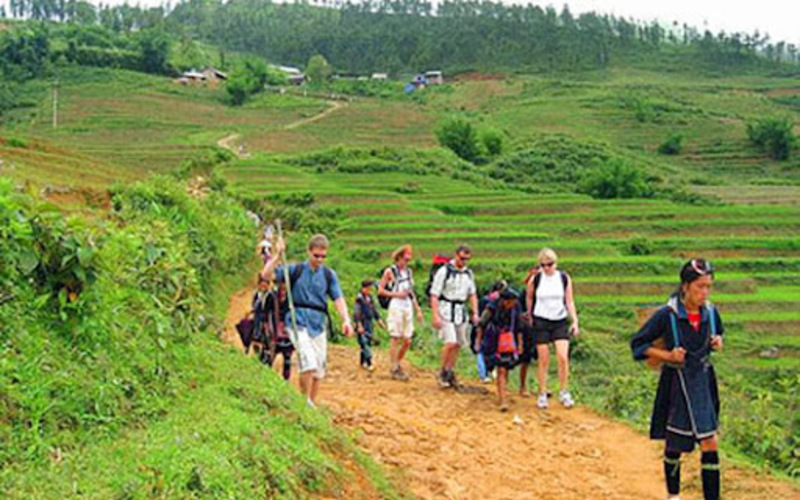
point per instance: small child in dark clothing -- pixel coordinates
(259, 313)
(500, 338)
(364, 314)
(279, 340)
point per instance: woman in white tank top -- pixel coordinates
(549, 299)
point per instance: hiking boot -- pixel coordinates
(451, 378)
(542, 403)
(566, 399)
(443, 379)
(399, 374)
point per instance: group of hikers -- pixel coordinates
(506, 327)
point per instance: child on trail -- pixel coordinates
(500, 338)
(682, 335)
(364, 315)
(280, 343)
(259, 311)
(493, 295)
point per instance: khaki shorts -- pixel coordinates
(451, 333)
(401, 323)
(312, 353)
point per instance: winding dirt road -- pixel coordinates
(440, 444)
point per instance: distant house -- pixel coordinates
(379, 76)
(434, 77)
(293, 75)
(214, 74)
(192, 77)
(208, 75)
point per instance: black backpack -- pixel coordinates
(383, 300)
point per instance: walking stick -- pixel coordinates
(287, 279)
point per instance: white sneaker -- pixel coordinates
(566, 399)
(542, 403)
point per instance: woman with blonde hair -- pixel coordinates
(549, 302)
(396, 291)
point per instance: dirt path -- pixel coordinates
(234, 143)
(446, 445)
(334, 105)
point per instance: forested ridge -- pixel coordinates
(411, 35)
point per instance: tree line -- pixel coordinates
(409, 35)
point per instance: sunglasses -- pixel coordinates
(319, 255)
(547, 264)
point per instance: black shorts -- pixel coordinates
(547, 331)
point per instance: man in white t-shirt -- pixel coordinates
(452, 288)
(397, 284)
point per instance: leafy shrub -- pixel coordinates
(672, 146)
(492, 141)
(101, 307)
(638, 245)
(461, 137)
(615, 179)
(774, 136)
(17, 142)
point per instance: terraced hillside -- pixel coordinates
(624, 257)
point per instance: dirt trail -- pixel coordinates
(440, 444)
(334, 105)
(234, 143)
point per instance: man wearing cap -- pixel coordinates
(452, 288)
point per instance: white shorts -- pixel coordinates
(401, 323)
(451, 333)
(312, 353)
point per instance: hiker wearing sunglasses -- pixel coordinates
(549, 302)
(453, 286)
(312, 283)
(396, 290)
(680, 337)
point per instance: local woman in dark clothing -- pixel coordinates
(499, 338)
(681, 336)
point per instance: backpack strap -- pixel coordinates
(712, 321)
(674, 324)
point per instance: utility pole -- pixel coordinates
(55, 103)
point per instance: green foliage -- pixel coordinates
(247, 79)
(318, 70)
(492, 141)
(461, 137)
(672, 146)
(774, 136)
(25, 52)
(106, 308)
(615, 179)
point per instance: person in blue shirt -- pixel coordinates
(312, 284)
(681, 336)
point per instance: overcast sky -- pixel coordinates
(779, 18)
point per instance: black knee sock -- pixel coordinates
(287, 367)
(709, 462)
(672, 471)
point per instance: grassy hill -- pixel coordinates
(376, 162)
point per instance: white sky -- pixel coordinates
(779, 18)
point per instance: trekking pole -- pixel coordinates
(288, 281)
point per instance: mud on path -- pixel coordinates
(441, 444)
